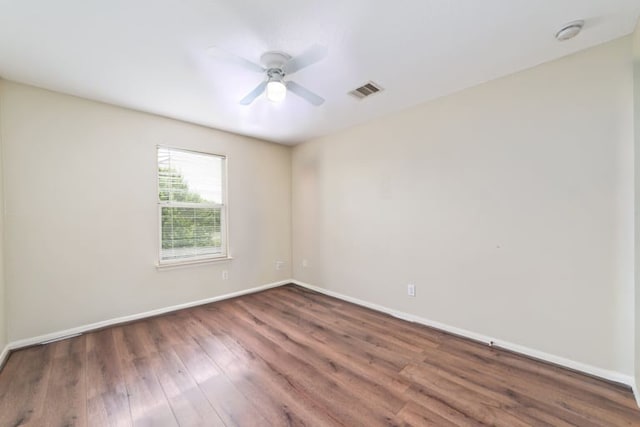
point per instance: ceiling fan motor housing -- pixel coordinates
(274, 60)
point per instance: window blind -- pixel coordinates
(191, 205)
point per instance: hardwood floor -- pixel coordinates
(289, 356)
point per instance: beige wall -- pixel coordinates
(3, 305)
(81, 215)
(636, 72)
(509, 205)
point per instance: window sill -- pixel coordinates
(180, 264)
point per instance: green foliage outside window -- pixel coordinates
(187, 226)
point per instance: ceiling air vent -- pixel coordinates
(366, 90)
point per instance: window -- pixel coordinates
(191, 204)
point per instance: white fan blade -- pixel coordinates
(305, 93)
(312, 55)
(231, 58)
(254, 94)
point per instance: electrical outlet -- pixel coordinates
(305, 263)
(411, 290)
(225, 274)
(279, 265)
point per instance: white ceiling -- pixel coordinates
(151, 55)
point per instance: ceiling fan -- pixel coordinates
(275, 66)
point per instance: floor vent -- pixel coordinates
(366, 90)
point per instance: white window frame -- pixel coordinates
(224, 230)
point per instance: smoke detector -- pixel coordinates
(569, 30)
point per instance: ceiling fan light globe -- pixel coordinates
(276, 91)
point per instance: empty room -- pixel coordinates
(319, 213)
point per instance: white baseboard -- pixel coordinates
(3, 355)
(54, 336)
(617, 377)
(636, 392)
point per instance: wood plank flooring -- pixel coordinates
(292, 357)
